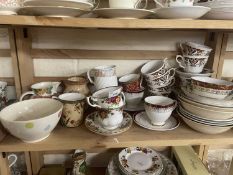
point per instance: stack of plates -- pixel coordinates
(56, 8)
(138, 160)
(220, 9)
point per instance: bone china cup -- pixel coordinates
(159, 109)
(194, 49)
(32, 120)
(73, 110)
(131, 82)
(126, 4)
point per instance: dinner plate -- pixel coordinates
(190, 12)
(60, 3)
(123, 13)
(51, 11)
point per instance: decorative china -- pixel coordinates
(142, 120)
(104, 76)
(134, 98)
(195, 49)
(73, 110)
(183, 12)
(126, 4)
(131, 82)
(139, 160)
(192, 64)
(93, 125)
(159, 109)
(168, 82)
(3, 94)
(177, 3)
(123, 13)
(76, 84)
(42, 89)
(35, 124)
(9, 7)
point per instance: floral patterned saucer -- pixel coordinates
(169, 167)
(142, 120)
(93, 125)
(139, 160)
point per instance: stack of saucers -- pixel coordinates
(138, 160)
(206, 105)
(159, 78)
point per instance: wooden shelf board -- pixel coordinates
(115, 23)
(66, 138)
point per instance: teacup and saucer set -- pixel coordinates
(125, 9)
(179, 9)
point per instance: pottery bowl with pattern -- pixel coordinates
(32, 120)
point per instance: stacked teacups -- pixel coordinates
(132, 89)
(159, 78)
(109, 103)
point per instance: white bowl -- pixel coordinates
(32, 120)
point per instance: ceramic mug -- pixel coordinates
(174, 3)
(127, 4)
(107, 98)
(192, 64)
(194, 49)
(104, 76)
(110, 118)
(134, 98)
(73, 108)
(42, 89)
(3, 94)
(131, 82)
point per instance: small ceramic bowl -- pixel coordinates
(159, 108)
(134, 98)
(32, 120)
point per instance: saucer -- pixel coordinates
(51, 11)
(123, 13)
(138, 107)
(59, 3)
(93, 125)
(142, 120)
(186, 12)
(9, 10)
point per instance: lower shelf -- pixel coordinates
(71, 138)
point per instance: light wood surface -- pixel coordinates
(4, 168)
(28, 163)
(66, 138)
(37, 162)
(5, 53)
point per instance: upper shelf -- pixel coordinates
(116, 23)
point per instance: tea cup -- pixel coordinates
(42, 89)
(194, 49)
(104, 76)
(126, 4)
(131, 82)
(167, 75)
(3, 94)
(165, 89)
(192, 64)
(176, 3)
(134, 98)
(73, 108)
(161, 82)
(159, 109)
(107, 98)
(110, 118)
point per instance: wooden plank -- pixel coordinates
(5, 53)
(10, 81)
(28, 163)
(42, 79)
(101, 54)
(205, 154)
(23, 43)
(15, 63)
(199, 150)
(115, 23)
(37, 162)
(228, 54)
(4, 169)
(62, 139)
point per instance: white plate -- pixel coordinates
(139, 107)
(123, 13)
(192, 12)
(142, 120)
(52, 11)
(9, 10)
(170, 167)
(93, 125)
(60, 3)
(218, 15)
(139, 160)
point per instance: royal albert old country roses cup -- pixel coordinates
(159, 109)
(104, 76)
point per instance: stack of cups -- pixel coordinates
(109, 103)
(194, 57)
(133, 90)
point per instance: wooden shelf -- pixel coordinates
(115, 23)
(65, 138)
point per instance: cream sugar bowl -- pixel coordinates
(159, 108)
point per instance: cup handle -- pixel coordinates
(26, 94)
(175, 104)
(93, 105)
(172, 72)
(89, 77)
(179, 60)
(160, 4)
(15, 159)
(123, 96)
(181, 46)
